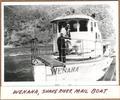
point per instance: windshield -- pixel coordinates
(83, 25)
(75, 26)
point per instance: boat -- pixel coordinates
(87, 55)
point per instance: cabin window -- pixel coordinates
(73, 26)
(83, 25)
(97, 36)
(54, 28)
(61, 24)
(94, 24)
(91, 26)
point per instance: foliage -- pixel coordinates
(22, 23)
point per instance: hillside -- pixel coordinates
(22, 23)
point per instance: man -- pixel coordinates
(61, 48)
(63, 30)
(68, 31)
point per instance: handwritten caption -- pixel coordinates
(58, 91)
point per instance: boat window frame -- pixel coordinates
(59, 28)
(86, 29)
(91, 26)
(75, 29)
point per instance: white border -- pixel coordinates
(60, 3)
(97, 83)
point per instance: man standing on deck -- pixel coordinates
(68, 31)
(61, 48)
(63, 30)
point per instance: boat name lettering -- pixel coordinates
(66, 70)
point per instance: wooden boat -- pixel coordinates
(89, 62)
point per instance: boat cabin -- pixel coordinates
(85, 36)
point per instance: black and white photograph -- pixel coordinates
(60, 42)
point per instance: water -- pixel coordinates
(18, 68)
(18, 65)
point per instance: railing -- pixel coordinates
(40, 49)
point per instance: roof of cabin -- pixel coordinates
(72, 17)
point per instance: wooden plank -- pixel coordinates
(48, 61)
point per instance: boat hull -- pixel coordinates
(89, 70)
